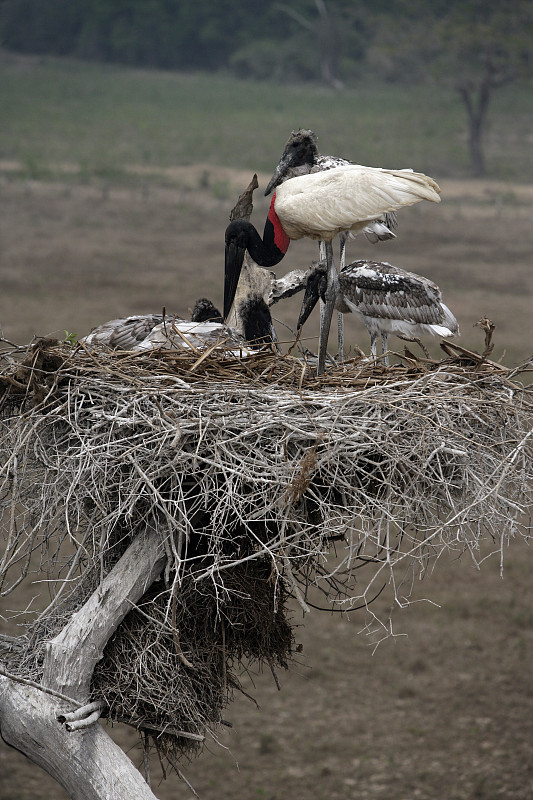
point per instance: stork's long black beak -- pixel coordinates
(232, 270)
(279, 173)
(311, 297)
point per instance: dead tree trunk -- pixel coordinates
(87, 763)
(84, 759)
(476, 97)
(476, 102)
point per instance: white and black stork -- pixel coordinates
(320, 206)
(206, 328)
(300, 157)
(389, 300)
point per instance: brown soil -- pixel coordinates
(442, 713)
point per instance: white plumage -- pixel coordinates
(183, 335)
(323, 204)
(301, 157)
(389, 300)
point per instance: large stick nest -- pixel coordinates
(264, 482)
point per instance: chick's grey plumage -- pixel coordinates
(124, 333)
(205, 329)
(383, 291)
(388, 299)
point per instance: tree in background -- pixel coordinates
(303, 40)
(476, 46)
(324, 27)
(309, 40)
(50, 26)
(172, 34)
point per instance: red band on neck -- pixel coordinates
(281, 240)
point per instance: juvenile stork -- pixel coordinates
(205, 329)
(388, 299)
(320, 206)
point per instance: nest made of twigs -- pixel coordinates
(250, 469)
(173, 678)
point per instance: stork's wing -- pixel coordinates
(381, 229)
(124, 333)
(322, 204)
(382, 291)
(182, 335)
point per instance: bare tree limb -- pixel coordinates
(29, 718)
(72, 655)
(87, 764)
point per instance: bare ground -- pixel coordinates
(445, 712)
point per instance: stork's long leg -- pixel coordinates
(384, 348)
(340, 316)
(340, 332)
(373, 345)
(322, 257)
(330, 297)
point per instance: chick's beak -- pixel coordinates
(309, 302)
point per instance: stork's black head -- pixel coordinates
(205, 311)
(315, 289)
(257, 322)
(300, 149)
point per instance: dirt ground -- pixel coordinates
(444, 709)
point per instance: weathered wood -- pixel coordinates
(88, 764)
(291, 283)
(255, 280)
(72, 655)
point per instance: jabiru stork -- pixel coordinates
(206, 328)
(320, 206)
(300, 157)
(389, 300)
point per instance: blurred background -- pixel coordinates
(127, 130)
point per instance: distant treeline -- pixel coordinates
(297, 39)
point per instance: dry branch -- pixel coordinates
(25, 715)
(72, 655)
